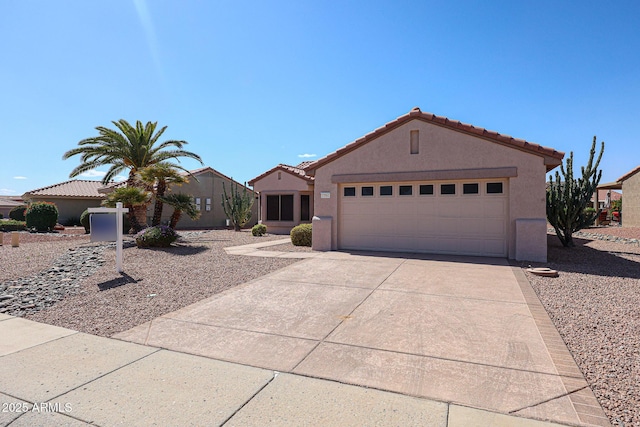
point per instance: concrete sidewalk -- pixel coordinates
(338, 339)
(57, 377)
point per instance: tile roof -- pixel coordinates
(555, 157)
(210, 169)
(628, 175)
(293, 170)
(6, 202)
(74, 188)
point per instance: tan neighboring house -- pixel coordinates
(205, 185)
(629, 183)
(285, 197)
(70, 197)
(424, 183)
(7, 203)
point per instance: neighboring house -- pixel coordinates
(604, 202)
(286, 197)
(424, 183)
(205, 185)
(629, 183)
(70, 197)
(7, 203)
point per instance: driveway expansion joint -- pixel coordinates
(273, 377)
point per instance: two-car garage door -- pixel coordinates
(453, 217)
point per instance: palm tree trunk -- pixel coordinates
(157, 208)
(175, 217)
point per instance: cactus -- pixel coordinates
(567, 198)
(238, 206)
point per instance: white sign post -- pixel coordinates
(103, 226)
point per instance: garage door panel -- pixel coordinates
(450, 224)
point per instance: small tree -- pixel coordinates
(130, 197)
(567, 197)
(238, 206)
(181, 203)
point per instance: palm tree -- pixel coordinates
(159, 177)
(181, 203)
(127, 148)
(130, 197)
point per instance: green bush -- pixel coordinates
(13, 225)
(259, 230)
(41, 216)
(301, 235)
(17, 213)
(589, 211)
(1, 216)
(159, 236)
(84, 221)
(71, 222)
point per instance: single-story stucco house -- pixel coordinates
(424, 183)
(7, 203)
(205, 185)
(629, 183)
(70, 197)
(286, 197)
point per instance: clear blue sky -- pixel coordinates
(253, 84)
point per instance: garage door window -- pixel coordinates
(280, 207)
(426, 189)
(447, 189)
(386, 190)
(494, 188)
(470, 189)
(406, 190)
(349, 191)
(367, 191)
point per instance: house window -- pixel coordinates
(207, 206)
(386, 190)
(367, 191)
(198, 203)
(447, 189)
(280, 207)
(470, 189)
(414, 137)
(349, 191)
(494, 188)
(405, 190)
(426, 189)
(305, 207)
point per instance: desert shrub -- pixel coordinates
(259, 230)
(71, 221)
(13, 225)
(41, 216)
(17, 213)
(84, 221)
(159, 236)
(301, 235)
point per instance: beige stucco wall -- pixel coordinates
(69, 208)
(439, 149)
(209, 185)
(631, 202)
(282, 182)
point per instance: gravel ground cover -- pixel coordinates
(595, 305)
(154, 281)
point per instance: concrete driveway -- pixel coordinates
(466, 331)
